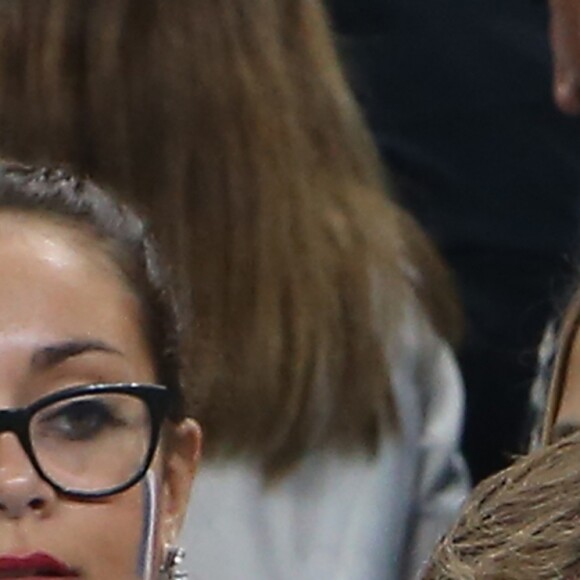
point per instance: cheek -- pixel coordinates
(112, 534)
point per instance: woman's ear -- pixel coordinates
(183, 454)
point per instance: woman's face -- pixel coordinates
(59, 293)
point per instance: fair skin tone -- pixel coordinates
(58, 286)
(565, 38)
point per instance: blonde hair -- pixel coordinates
(232, 123)
(520, 524)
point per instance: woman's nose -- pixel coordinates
(22, 491)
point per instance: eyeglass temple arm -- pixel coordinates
(13, 420)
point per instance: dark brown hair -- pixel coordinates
(232, 123)
(55, 194)
(520, 524)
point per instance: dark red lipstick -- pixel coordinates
(37, 566)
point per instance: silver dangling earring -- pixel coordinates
(173, 560)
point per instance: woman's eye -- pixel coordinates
(81, 420)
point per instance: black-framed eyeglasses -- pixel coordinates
(91, 441)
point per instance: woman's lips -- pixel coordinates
(34, 567)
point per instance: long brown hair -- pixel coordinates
(520, 524)
(232, 123)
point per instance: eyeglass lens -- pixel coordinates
(92, 442)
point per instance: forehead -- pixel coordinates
(53, 254)
(58, 283)
(47, 238)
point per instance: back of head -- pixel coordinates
(520, 524)
(231, 122)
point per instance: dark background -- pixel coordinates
(458, 95)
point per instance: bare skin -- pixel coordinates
(565, 37)
(58, 286)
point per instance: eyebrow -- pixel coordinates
(52, 355)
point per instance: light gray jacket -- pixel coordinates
(343, 517)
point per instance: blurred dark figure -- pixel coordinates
(459, 98)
